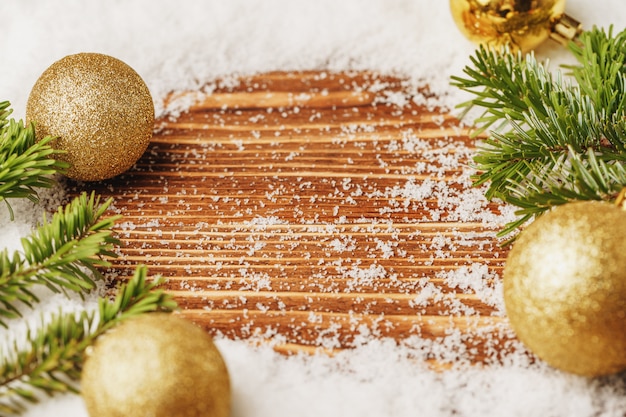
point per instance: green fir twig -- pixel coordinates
(62, 254)
(51, 360)
(25, 164)
(550, 140)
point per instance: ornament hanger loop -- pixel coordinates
(566, 29)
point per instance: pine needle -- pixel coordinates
(550, 140)
(51, 359)
(63, 254)
(25, 164)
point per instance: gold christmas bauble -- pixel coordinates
(521, 24)
(100, 110)
(157, 365)
(565, 288)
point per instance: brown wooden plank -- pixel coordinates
(310, 205)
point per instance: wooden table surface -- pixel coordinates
(318, 209)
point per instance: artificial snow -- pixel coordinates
(201, 45)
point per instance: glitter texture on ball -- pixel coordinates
(100, 110)
(565, 288)
(157, 365)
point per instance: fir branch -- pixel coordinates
(550, 141)
(25, 163)
(62, 254)
(53, 356)
(601, 74)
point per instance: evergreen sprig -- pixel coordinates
(25, 163)
(51, 360)
(551, 140)
(62, 254)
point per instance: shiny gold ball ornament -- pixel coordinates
(521, 24)
(100, 110)
(157, 365)
(565, 288)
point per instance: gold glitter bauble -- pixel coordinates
(156, 365)
(99, 108)
(522, 24)
(565, 288)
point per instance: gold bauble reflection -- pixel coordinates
(157, 365)
(565, 288)
(99, 108)
(521, 24)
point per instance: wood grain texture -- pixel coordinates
(318, 209)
